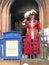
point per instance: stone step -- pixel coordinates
(35, 62)
(22, 61)
(9, 62)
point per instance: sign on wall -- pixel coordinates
(11, 47)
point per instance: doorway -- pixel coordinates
(18, 8)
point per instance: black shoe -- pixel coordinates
(36, 56)
(29, 56)
(32, 57)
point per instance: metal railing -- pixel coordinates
(44, 49)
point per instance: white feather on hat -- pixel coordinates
(33, 11)
(26, 15)
(25, 64)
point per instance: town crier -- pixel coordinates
(32, 41)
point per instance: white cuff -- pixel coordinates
(23, 23)
(40, 32)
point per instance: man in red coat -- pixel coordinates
(32, 42)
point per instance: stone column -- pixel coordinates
(5, 16)
(9, 16)
(4, 19)
(41, 16)
(47, 14)
(0, 22)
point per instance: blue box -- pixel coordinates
(1, 47)
(0, 51)
(12, 45)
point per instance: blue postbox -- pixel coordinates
(12, 45)
(1, 47)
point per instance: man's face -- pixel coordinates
(32, 16)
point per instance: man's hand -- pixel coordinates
(24, 20)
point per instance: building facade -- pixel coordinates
(10, 8)
(5, 15)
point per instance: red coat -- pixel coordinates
(27, 43)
